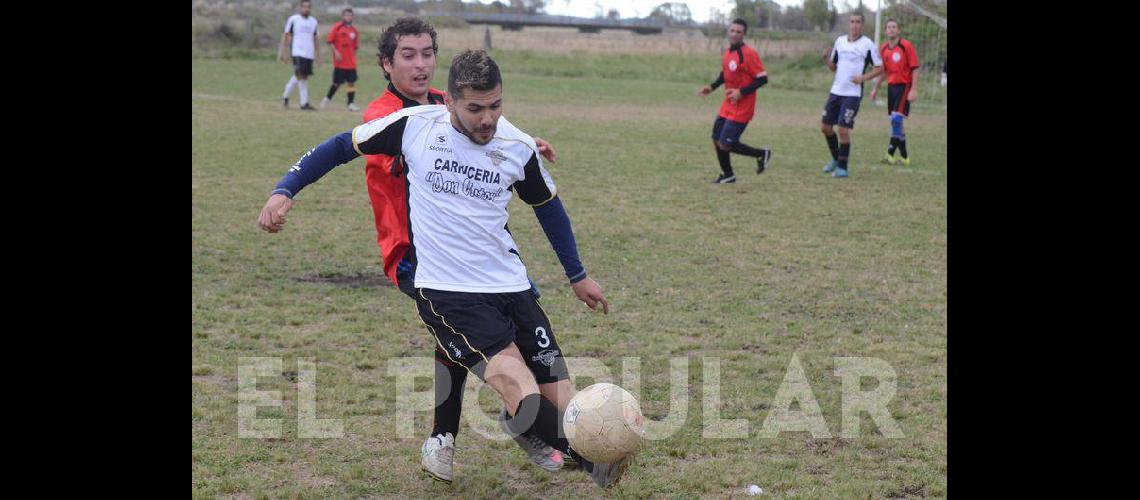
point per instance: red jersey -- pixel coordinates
(899, 61)
(387, 192)
(346, 40)
(740, 67)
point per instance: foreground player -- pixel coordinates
(463, 163)
(848, 57)
(742, 73)
(901, 64)
(407, 57)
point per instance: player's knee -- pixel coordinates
(844, 133)
(722, 146)
(351, 87)
(827, 129)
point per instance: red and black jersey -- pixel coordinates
(740, 67)
(899, 61)
(386, 191)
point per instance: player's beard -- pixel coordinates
(458, 124)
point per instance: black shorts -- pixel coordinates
(302, 66)
(727, 131)
(841, 110)
(343, 75)
(896, 98)
(471, 328)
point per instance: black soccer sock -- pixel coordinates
(332, 90)
(833, 146)
(449, 381)
(741, 148)
(894, 144)
(351, 96)
(844, 152)
(538, 415)
(902, 146)
(725, 163)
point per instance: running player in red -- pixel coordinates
(741, 73)
(343, 39)
(407, 57)
(901, 64)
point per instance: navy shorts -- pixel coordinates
(841, 110)
(302, 66)
(471, 328)
(896, 99)
(343, 75)
(727, 131)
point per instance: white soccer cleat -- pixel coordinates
(325, 102)
(438, 457)
(352, 107)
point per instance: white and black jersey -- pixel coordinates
(851, 59)
(304, 30)
(458, 193)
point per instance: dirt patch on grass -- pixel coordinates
(825, 447)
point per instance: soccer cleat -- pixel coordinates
(308, 107)
(840, 173)
(285, 102)
(352, 107)
(889, 159)
(827, 169)
(539, 452)
(903, 160)
(325, 102)
(606, 475)
(725, 179)
(762, 160)
(438, 456)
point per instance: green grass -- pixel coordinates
(789, 262)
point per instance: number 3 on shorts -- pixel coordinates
(541, 332)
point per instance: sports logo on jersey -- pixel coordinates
(496, 156)
(896, 56)
(441, 139)
(351, 35)
(732, 65)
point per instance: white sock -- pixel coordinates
(289, 87)
(304, 91)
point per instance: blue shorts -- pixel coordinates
(841, 110)
(727, 131)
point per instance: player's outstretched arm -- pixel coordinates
(712, 86)
(313, 165)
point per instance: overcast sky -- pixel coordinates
(641, 8)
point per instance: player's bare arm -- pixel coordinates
(876, 71)
(827, 58)
(878, 84)
(316, 50)
(335, 53)
(914, 85)
(286, 41)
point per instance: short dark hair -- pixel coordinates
(472, 69)
(860, 14)
(741, 22)
(403, 26)
(346, 10)
(892, 20)
(305, 1)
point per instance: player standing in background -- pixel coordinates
(848, 57)
(741, 73)
(407, 57)
(343, 41)
(301, 35)
(900, 61)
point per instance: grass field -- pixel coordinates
(789, 263)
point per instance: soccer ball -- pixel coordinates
(603, 423)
